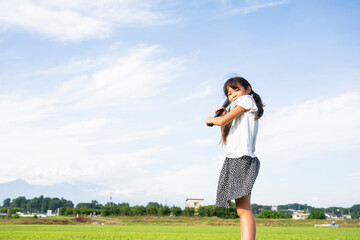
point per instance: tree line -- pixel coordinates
(67, 208)
(38, 204)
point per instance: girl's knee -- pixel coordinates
(242, 211)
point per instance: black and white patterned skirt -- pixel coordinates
(236, 179)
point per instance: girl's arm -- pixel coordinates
(225, 119)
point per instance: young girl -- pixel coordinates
(239, 128)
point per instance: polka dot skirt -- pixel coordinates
(237, 178)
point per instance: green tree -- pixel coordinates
(211, 210)
(6, 202)
(155, 204)
(69, 211)
(84, 211)
(176, 211)
(76, 211)
(38, 204)
(202, 211)
(317, 214)
(66, 203)
(62, 211)
(271, 214)
(9, 213)
(165, 211)
(139, 210)
(35, 204)
(265, 207)
(93, 204)
(189, 211)
(126, 210)
(151, 210)
(255, 208)
(19, 202)
(355, 211)
(106, 211)
(45, 204)
(226, 212)
(55, 203)
(124, 204)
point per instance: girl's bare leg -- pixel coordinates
(247, 221)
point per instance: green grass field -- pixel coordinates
(30, 232)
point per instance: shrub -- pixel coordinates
(202, 211)
(165, 211)
(106, 211)
(189, 211)
(271, 214)
(317, 214)
(152, 210)
(139, 210)
(211, 210)
(126, 211)
(62, 211)
(9, 212)
(176, 211)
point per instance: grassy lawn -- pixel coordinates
(139, 231)
(177, 221)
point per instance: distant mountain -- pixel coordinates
(77, 192)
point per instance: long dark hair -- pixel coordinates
(234, 83)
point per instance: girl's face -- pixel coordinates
(234, 94)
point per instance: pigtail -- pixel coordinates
(259, 104)
(225, 132)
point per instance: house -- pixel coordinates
(194, 202)
(274, 208)
(299, 215)
(331, 216)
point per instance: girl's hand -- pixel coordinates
(221, 108)
(209, 121)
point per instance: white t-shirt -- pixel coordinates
(242, 135)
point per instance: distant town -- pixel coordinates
(40, 207)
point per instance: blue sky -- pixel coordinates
(116, 93)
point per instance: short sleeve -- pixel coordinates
(247, 102)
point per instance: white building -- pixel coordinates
(274, 208)
(300, 215)
(194, 202)
(331, 216)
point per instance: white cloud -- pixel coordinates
(295, 132)
(60, 135)
(200, 93)
(129, 136)
(107, 80)
(16, 109)
(140, 74)
(249, 7)
(299, 146)
(45, 157)
(80, 128)
(194, 180)
(76, 66)
(312, 127)
(206, 141)
(77, 19)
